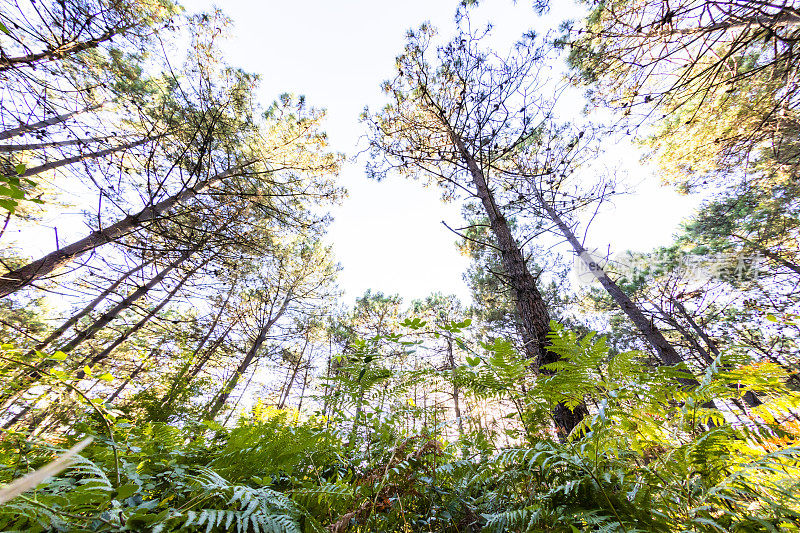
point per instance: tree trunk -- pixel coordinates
(785, 17)
(136, 327)
(222, 397)
(290, 379)
(25, 128)
(24, 276)
(82, 157)
(10, 148)
(749, 396)
(665, 351)
(132, 376)
(32, 375)
(770, 254)
(531, 307)
(303, 390)
(456, 406)
(68, 324)
(359, 407)
(110, 315)
(198, 365)
(207, 356)
(86, 310)
(59, 52)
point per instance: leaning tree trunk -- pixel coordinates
(86, 310)
(71, 322)
(59, 52)
(102, 356)
(292, 374)
(531, 307)
(52, 165)
(33, 375)
(24, 276)
(198, 365)
(749, 396)
(131, 377)
(9, 148)
(38, 426)
(303, 390)
(666, 352)
(26, 128)
(222, 397)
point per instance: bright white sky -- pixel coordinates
(388, 236)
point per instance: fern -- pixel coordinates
(246, 508)
(638, 462)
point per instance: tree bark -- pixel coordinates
(68, 324)
(457, 408)
(749, 396)
(290, 379)
(59, 52)
(303, 390)
(25, 128)
(32, 375)
(24, 276)
(198, 365)
(665, 351)
(770, 254)
(207, 356)
(222, 397)
(86, 310)
(531, 307)
(10, 148)
(131, 377)
(82, 157)
(784, 18)
(136, 327)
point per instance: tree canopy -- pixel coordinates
(184, 360)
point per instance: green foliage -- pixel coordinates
(642, 461)
(15, 189)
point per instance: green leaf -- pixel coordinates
(473, 361)
(12, 192)
(106, 377)
(87, 371)
(4, 29)
(60, 374)
(8, 205)
(59, 356)
(126, 491)
(20, 169)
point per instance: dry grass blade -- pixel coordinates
(15, 488)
